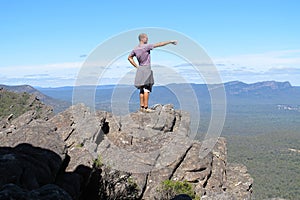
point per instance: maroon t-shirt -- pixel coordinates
(142, 53)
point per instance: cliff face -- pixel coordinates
(40, 156)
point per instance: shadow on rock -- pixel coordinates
(29, 172)
(182, 197)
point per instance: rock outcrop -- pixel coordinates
(40, 156)
(156, 146)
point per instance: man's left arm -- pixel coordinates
(131, 60)
(160, 44)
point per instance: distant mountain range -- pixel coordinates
(250, 108)
(267, 92)
(237, 93)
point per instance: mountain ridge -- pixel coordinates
(239, 87)
(57, 104)
(266, 83)
(237, 92)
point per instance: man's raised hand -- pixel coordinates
(175, 42)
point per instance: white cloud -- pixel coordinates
(275, 65)
(263, 61)
(48, 75)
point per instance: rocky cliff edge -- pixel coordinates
(61, 154)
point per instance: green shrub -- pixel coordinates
(169, 189)
(97, 162)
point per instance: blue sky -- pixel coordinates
(44, 43)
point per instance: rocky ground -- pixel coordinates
(58, 157)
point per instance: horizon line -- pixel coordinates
(156, 85)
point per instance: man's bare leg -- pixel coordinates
(146, 99)
(142, 103)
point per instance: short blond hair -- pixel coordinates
(141, 36)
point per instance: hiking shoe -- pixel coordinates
(147, 110)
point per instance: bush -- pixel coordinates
(168, 189)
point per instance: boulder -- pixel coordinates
(78, 126)
(38, 133)
(27, 166)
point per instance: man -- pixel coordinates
(144, 75)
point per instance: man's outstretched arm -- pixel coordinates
(131, 60)
(160, 44)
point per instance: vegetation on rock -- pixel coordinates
(15, 104)
(170, 188)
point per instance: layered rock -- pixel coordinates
(35, 161)
(152, 147)
(156, 146)
(28, 172)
